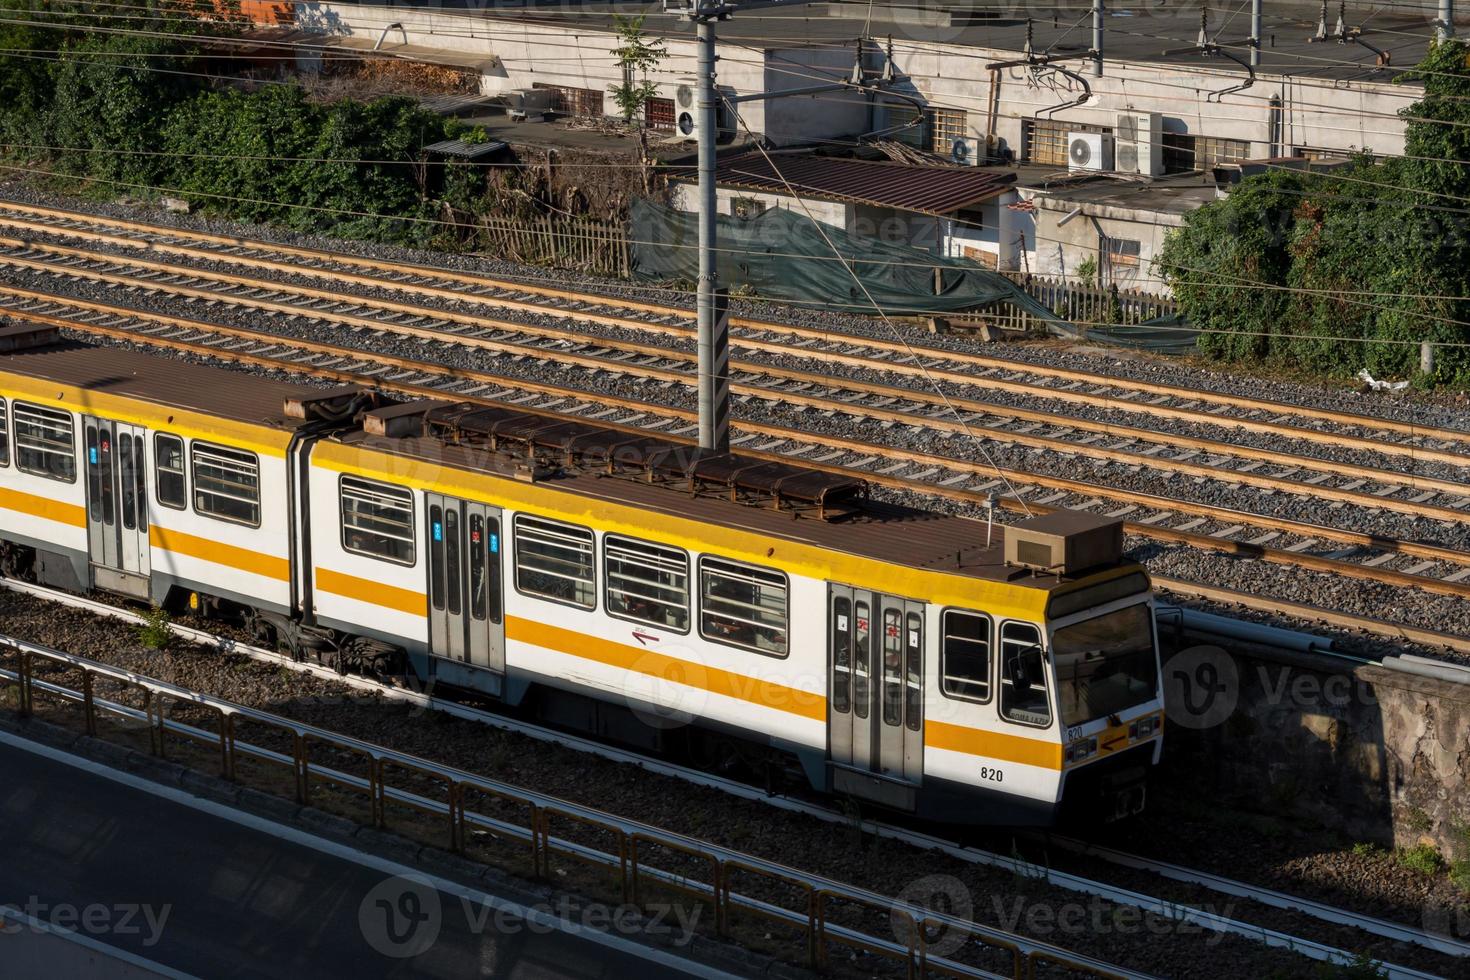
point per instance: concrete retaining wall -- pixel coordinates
(1380, 755)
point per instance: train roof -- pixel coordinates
(881, 531)
(162, 381)
(878, 530)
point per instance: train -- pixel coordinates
(751, 610)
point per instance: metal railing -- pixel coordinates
(29, 671)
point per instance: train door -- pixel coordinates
(117, 505)
(466, 599)
(876, 704)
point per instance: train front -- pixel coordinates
(1102, 655)
(1110, 702)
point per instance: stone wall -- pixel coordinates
(1377, 754)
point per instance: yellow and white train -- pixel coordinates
(616, 581)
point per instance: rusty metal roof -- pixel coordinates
(906, 187)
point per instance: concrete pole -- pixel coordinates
(1255, 33)
(714, 341)
(1097, 37)
(1445, 29)
(1426, 357)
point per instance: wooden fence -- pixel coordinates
(1080, 303)
(585, 245)
(563, 242)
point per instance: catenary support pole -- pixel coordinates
(1255, 33)
(1445, 29)
(714, 349)
(1097, 37)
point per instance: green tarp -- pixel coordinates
(1170, 334)
(783, 255)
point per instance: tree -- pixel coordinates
(1344, 270)
(637, 55)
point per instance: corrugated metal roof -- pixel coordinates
(466, 151)
(903, 186)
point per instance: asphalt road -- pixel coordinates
(213, 894)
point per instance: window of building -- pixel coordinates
(1045, 140)
(570, 101)
(945, 126)
(964, 655)
(1184, 153)
(377, 520)
(743, 606)
(1321, 153)
(44, 442)
(1023, 688)
(555, 561)
(746, 207)
(659, 114)
(226, 483)
(934, 130)
(168, 471)
(1122, 253)
(646, 582)
(4, 436)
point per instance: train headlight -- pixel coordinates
(1143, 727)
(1084, 749)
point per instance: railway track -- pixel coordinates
(1209, 459)
(1417, 442)
(964, 482)
(1325, 546)
(1195, 915)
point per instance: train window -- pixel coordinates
(492, 567)
(892, 666)
(841, 654)
(129, 481)
(1096, 595)
(861, 664)
(478, 599)
(377, 520)
(555, 561)
(964, 656)
(44, 442)
(436, 556)
(168, 465)
(913, 671)
(1023, 687)
(743, 606)
(4, 436)
(454, 591)
(646, 582)
(226, 483)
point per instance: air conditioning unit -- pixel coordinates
(1089, 151)
(527, 103)
(1138, 143)
(965, 150)
(686, 110)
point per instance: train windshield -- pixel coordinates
(1105, 664)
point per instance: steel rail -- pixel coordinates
(1013, 864)
(1454, 586)
(1313, 614)
(401, 275)
(938, 417)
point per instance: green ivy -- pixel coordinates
(136, 114)
(1325, 271)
